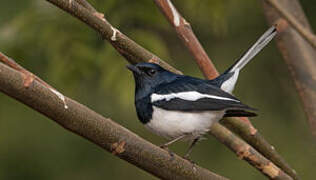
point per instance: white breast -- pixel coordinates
(172, 124)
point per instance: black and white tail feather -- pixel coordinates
(228, 79)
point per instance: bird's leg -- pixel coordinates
(165, 146)
(172, 141)
(186, 156)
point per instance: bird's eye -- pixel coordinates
(151, 72)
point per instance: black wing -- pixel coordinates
(166, 96)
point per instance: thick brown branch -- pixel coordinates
(305, 32)
(102, 131)
(298, 54)
(241, 126)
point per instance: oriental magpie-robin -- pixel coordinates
(183, 107)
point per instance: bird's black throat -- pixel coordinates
(144, 109)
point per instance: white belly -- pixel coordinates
(172, 124)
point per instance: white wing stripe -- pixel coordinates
(189, 96)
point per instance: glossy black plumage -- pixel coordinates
(165, 82)
(187, 84)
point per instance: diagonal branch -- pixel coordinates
(101, 131)
(243, 127)
(29, 77)
(133, 52)
(248, 153)
(306, 33)
(254, 138)
(185, 33)
(130, 52)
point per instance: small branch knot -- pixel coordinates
(118, 147)
(28, 78)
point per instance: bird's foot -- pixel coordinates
(168, 150)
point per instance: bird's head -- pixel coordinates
(148, 76)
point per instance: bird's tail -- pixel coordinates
(253, 50)
(239, 113)
(228, 79)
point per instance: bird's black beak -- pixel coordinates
(133, 68)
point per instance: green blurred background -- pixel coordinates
(74, 59)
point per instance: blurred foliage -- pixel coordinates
(74, 59)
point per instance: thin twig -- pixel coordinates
(102, 131)
(305, 32)
(243, 126)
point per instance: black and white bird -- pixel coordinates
(183, 107)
